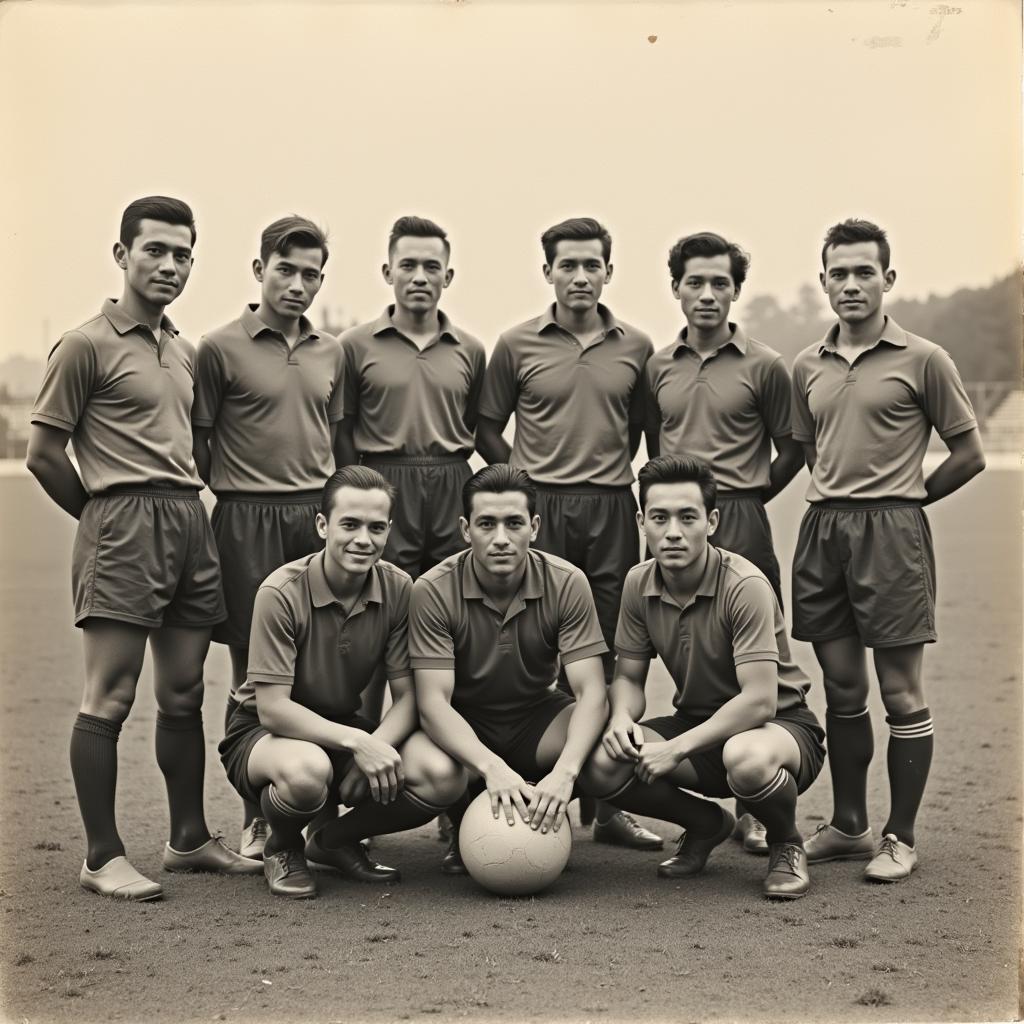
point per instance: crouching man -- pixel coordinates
(741, 725)
(295, 743)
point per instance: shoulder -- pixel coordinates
(557, 570)
(738, 575)
(444, 576)
(290, 578)
(470, 343)
(521, 334)
(807, 357)
(635, 338)
(759, 352)
(225, 336)
(184, 347)
(394, 581)
(356, 337)
(662, 358)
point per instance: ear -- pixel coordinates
(385, 269)
(608, 273)
(321, 526)
(448, 275)
(639, 519)
(121, 255)
(464, 528)
(675, 289)
(257, 269)
(890, 279)
(547, 273)
(735, 293)
(534, 528)
(712, 521)
(824, 287)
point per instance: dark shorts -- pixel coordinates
(256, 534)
(425, 519)
(146, 556)
(799, 722)
(865, 569)
(743, 527)
(244, 732)
(515, 737)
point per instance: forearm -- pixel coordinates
(201, 455)
(56, 474)
(293, 721)
(653, 443)
(491, 445)
(587, 720)
(626, 698)
(400, 721)
(951, 474)
(636, 432)
(345, 453)
(784, 467)
(740, 714)
(453, 734)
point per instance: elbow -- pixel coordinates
(38, 463)
(976, 463)
(763, 709)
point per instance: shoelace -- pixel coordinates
(789, 854)
(888, 846)
(259, 828)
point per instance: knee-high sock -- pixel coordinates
(249, 809)
(94, 769)
(286, 822)
(851, 745)
(661, 799)
(373, 819)
(774, 805)
(181, 757)
(911, 738)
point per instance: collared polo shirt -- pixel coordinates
(125, 395)
(725, 407)
(870, 422)
(573, 405)
(408, 401)
(302, 638)
(733, 619)
(502, 662)
(270, 407)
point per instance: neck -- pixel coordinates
(708, 340)
(138, 308)
(286, 325)
(578, 321)
(686, 581)
(499, 587)
(864, 332)
(416, 321)
(344, 585)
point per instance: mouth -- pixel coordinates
(293, 302)
(166, 284)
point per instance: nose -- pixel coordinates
(362, 537)
(419, 276)
(707, 295)
(675, 529)
(295, 285)
(167, 264)
(501, 539)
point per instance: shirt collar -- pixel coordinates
(254, 326)
(738, 340)
(547, 320)
(892, 334)
(322, 595)
(530, 588)
(707, 587)
(123, 323)
(446, 329)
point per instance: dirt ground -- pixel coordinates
(608, 942)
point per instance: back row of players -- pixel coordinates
(290, 575)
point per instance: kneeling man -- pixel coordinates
(295, 743)
(488, 628)
(741, 725)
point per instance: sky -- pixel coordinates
(765, 121)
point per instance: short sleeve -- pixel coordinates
(638, 397)
(776, 399)
(500, 392)
(336, 408)
(431, 639)
(945, 400)
(478, 366)
(803, 421)
(652, 409)
(579, 631)
(273, 644)
(209, 384)
(349, 377)
(632, 639)
(396, 648)
(68, 382)
(751, 610)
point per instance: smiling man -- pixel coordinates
(267, 408)
(488, 628)
(865, 400)
(573, 379)
(296, 743)
(144, 564)
(741, 724)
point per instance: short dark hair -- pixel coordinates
(362, 478)
(679, 469)
(417, 227)
(707, 243)
(576, 229)
(162, 208)
(292, 232)
(854, 230)
(496, 479)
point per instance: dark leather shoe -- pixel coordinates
(787, 878)
(693, 853)
(351, 860)
(451, 864)
(622, 829)
(288, 875)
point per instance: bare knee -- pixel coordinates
(110, 698)
(302, 779)
(749, 763)
(602, 775)
(430, 773)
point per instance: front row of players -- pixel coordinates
(471, 650)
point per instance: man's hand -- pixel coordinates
(353, 788)
(508, 789)
(382, 766)
(657, 759)
(550, 800)
(623, 739)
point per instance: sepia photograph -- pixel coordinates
(511, 511)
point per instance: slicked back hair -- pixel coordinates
(161, 208)
(679, 469)
(854, 230)
(417, 227)
(363, 478)
(707, 243)
(497, 479)
(289, 233)
(576, 229)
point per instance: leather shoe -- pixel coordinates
(451, 863)
(787, 878)
(288, 875)
(693, 852)
(622, 829)
(828, 843)
(893, 862)
(751, 834)
(351, 860)
(254, 838)
(213, 855)
(117, 878)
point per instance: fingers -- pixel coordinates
(373, 780)
(613, 748)
(520, 803)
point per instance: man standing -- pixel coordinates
(741, 724)
(144, 564)
(865, 400)
(724, 397)
(268, 401)
(574, 379)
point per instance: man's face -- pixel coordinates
(418, 272)
(157, 263)
(676, 524)
(854, 281)
(499, 531)
(357, 528)
(706, 291)
(579, 274)
(289, 282)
